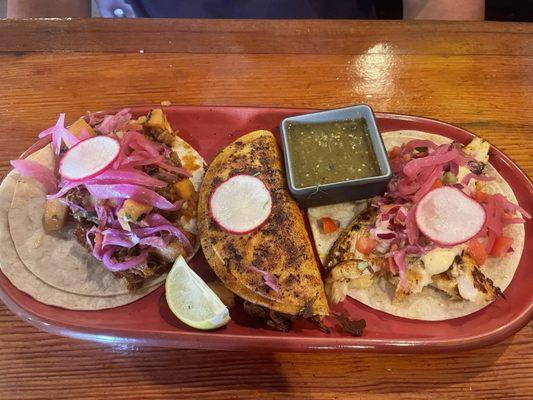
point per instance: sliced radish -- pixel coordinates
(89, 158)
(241, 204)
(448, 216)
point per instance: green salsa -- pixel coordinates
(329, 152)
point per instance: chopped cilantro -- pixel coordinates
(362, 265)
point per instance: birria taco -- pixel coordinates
(97, 217)
(443, 242)
(253, 234)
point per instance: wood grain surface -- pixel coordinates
(475, 75)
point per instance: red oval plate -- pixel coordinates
(149, 321)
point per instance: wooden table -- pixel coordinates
(475, 75)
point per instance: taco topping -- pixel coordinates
(38, 172)
(125, 186)
(448, 216)
(89, 158)
(435, 226)
(241, 204)
(403, 211)
(328, 225)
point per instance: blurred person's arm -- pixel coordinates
(48, 8)
(459, 10)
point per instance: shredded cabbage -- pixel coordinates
(127, 191)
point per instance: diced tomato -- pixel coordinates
(328, 225)
(395, 152)
(436, 184)
(481, 197)
(501, 246)
(477, 251)
(365, 244)
(396, 165)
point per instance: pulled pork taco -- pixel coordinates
(105, 209)
(21, 277)
(443, 241)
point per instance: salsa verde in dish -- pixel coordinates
(329, 152)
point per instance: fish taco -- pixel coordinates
(442, 242)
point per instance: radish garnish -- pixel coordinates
(448, 216)
(241, 204)
(89, 158)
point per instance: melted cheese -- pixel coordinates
(439, 260)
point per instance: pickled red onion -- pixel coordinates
(59, 135)
(413, 167)
(110, 123)
(128, 191)
(144, 232)
(470, 176)
(133, 177)
(172, 168)
(122, 266)
(270, 280)
(42, 174)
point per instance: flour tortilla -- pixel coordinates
(58, 259)
(430, 304)
(21, 277)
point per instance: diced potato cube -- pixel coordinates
(79, 126)
(158, 119)
(141, 120)
(185, 189)
(55, 214)
(133, 211)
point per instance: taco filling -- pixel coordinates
(441, 222)
(124, 185)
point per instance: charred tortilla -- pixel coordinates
(279, 247)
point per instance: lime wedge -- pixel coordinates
(191, 300)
